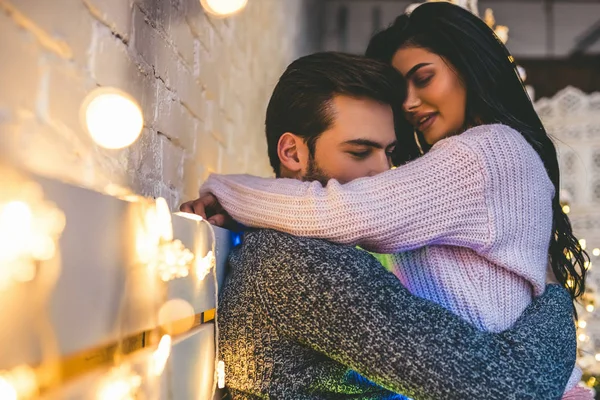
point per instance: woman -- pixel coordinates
(477, 218)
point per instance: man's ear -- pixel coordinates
(293, 154)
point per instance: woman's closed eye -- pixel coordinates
(422, 81)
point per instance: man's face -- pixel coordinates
(359, 143)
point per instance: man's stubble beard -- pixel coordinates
(315, 173)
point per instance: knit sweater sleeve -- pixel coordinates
(335, 299)
(437, 199)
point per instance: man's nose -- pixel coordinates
(380, 164)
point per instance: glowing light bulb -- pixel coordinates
(502, 32)
(570, 282)
(18, 383)
(204, 265)
(590, 308)
(113, 118)
(223, 8)
(566, 209)
(120, 384)
(596, 252)
(176, 316)
(582, 324)
(582, 243)
(7, 391)
(597, 357)
(582, 337)
(221, 374)
(163, 219)
(160, 356)
(587, 265)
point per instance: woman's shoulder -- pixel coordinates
(495, 140)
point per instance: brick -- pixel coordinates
(190, 93)
(180, 34)
(172, 163)
(114, 66)
(66, 91)
(176, 122)
(208, 151)
(192, 177)
(64, 21)
(154, 50)
(20, 75)
(116, 14)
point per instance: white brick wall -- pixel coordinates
(202, 83)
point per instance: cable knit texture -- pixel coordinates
(469, 222)
(297, 315)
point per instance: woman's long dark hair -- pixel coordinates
(495, 94)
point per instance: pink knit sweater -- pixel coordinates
(469, 222)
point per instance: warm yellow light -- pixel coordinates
(160, 356)
(587, 265)
(113, 118)
(570, 283)
(223, 8)
(221, 374)
(7, 391)
(582, 243)
(502, 32)
(591, 382)
(204, 265)
(582, 337)
(163, 219)
(582, 324)
(566, 209)
(596, 252)
(597, 356)
(18, 383)
(590, 308)
(120, 384)
(176, 316)
(29, 230)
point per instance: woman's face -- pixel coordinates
(436, 100)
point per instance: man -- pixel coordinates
(298, 316)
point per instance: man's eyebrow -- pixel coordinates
(370, 143)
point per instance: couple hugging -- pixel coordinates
(429, 151)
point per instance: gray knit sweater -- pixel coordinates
(297, 315)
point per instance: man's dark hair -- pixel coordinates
(301, 100)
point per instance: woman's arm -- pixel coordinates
(439, 199)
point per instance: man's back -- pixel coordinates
(298, 314)
(261, 358)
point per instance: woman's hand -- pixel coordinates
(208, 207)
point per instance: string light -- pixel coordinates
(120, 384)
(223, 8)
(176, 316)
(596, 252)
(590, 308)
(582, 337)
(204, 265)
(566, 209)
(112, 117)
(582, 324)
(221, 374)
(160, 356)
(582, 244)
(18, 383)
(29, 230)
(157, 249)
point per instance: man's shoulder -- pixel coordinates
(266, 248)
